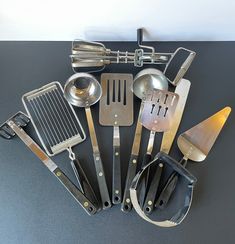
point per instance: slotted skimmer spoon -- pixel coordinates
(195, 144)
(157, 114)
(116, 109)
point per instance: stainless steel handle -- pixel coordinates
(132, 166)
(117, 186)
(106, 203)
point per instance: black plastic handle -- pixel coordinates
(169, 188)
(104, 193)
(144, 179)
(140, 36)
(153, 189)
(83, 181)
(117, 186)
(126, 205)
(75, 192)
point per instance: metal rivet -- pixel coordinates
(85, 204)
(100, 173)
(128, 200)
(58, 173)
(150, 203)
(134, 161)
(117, 191)
(116, 153)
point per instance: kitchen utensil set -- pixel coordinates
(58, 128)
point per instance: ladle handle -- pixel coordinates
(104, 193)
(169, 188)
(116, 187)
(83, 181)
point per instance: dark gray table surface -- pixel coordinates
(35, 208)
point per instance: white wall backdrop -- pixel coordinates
(117, 19)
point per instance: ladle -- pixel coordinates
(83, 90)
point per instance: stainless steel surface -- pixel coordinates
(53, 118)
(91, 127)
(158, 110)
(137, 137)
(151, 142)
(82, 90)
(196, 142)
(147, 80)
(92, 51)
(116, 103)
(182, 89)
(92, 47)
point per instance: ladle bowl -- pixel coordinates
(149, 79)
(82, 90)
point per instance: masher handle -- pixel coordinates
(152, 192)
(169, 188)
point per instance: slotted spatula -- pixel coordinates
(157, 114)
(195, 144)
(116, 109)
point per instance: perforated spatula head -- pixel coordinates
(158, 110)
(196, 143)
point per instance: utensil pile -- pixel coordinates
(58, 128)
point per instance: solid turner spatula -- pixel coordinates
(195, 144)
(116, 109)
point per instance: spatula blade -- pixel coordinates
(197, 142)
(158, 110)
(116, 103)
